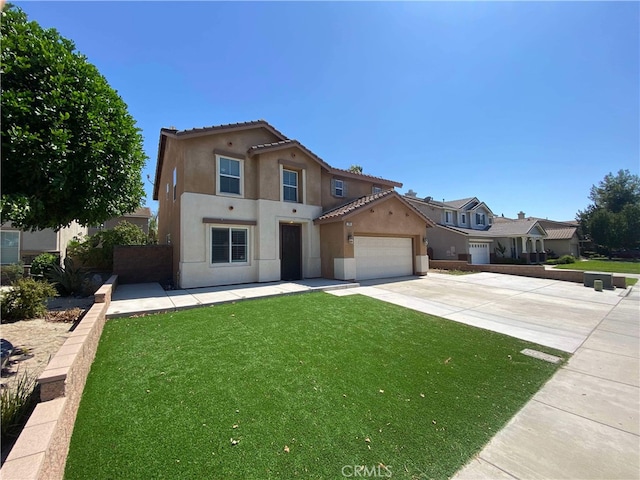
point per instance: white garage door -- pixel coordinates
(479, 253)
(382, 257)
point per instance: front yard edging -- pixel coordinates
(41, 449)
(536, 271)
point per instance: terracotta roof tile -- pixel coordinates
(230, 126)
(353, 205)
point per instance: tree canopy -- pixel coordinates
(70, 149)
(612, 221)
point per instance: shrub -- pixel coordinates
(565, 259)
(43, 262)
(25, 300)
(11, 273)
(67, 280)
(15, 403)
(96, 251)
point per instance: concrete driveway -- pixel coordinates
(549, 312)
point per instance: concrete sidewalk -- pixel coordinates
(584, 423)
(142, 298)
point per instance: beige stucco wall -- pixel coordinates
(356, 188)
(47, 240)
(442, 240)
(195, 267)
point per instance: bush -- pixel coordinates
(15, 403)
(67, 280)
(44, 262)
(566, 259)
(11, 273)
(96, 251)
(25, 300)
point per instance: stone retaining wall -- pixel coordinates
(41, 450)
(537, 271)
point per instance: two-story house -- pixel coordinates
(468, 230)
(243, 203)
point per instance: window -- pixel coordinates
(229, 245)
(447, 216)
(167, 191)
(289, 186)
(338, 188)
(9, 247)
(480, 219)
(375, 190)
(463, 218)
(229, 176)
(175, 183)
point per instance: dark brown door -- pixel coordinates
(290, 252)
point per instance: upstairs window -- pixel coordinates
(375, 190)
(448, 215)
(289, 185)
(480, 219)
(463, 219)
(229, 245)
(338, 188)
(229, 176)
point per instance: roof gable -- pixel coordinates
(349, 209)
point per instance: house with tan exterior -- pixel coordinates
(467, 229)
(140, 217)
(243, 203)
(23, 246)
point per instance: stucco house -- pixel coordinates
(467, 229)
(243, 203)
(23, 246)
(562, 237)
(139, 217)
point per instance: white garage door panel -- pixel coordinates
(479, 253)
(382, 257)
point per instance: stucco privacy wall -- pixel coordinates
(445, 243)
(196, 269)
(40, 452)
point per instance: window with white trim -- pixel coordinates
(480, 219)
(338, 188)
(289, 185)
(448, 215)
(463, 218)
(229, 175)
(229, 245)
(9, 247)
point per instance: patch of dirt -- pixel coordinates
(36, 341)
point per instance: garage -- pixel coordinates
(479, 253)
(382, 257)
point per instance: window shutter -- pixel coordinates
(344, 189)
(333, 186)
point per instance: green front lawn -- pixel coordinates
(613, 266)
(308, 385)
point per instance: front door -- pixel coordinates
(290, 251)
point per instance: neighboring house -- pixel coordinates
(243, 203)
(20, 246)
(562, 237)
(468, 230)
(139, 217)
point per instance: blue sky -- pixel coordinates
(523, 105)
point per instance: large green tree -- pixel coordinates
(612, 221)
(70, 149)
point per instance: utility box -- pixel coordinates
(597, 285)
(591, 277)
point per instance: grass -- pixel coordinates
(613, 266)
(336, 381)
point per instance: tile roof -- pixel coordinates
(459, 203)
(230, 126)
(501, 229)
(350, 207)
(561, 233)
